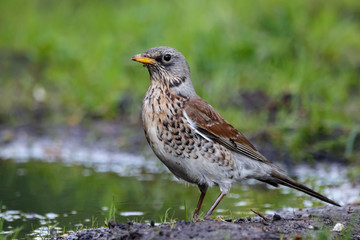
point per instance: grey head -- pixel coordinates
(168, 66)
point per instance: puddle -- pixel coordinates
(72, 153)
(47, 186)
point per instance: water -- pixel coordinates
(50, 185)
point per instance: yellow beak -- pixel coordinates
(142, 59)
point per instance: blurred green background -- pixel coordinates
(286, 69)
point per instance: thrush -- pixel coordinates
(193, 140)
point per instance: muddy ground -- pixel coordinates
(327, 221)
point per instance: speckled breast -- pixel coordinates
(187, 155)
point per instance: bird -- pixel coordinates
(193, 140)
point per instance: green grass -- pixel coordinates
(186, 212)
(111, 214)
(166, 217)
(78, 54)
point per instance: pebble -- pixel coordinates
(276, 217)
(338, 227)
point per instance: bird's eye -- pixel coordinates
(167, 57)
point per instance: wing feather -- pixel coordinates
(211, 124)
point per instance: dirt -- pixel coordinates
(283, 224)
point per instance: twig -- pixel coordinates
(260, 215)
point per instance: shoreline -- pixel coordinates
(328, 221)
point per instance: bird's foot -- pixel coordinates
(207, 217)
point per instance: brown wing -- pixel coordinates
(214, 126)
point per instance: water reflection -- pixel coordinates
(50, 194)
(44, 186)
(72, 153)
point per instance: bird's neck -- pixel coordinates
(180, 85)
(162, 100)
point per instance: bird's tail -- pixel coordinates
(286, 181)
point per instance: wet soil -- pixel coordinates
(285, 224)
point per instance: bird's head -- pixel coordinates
(168, 66)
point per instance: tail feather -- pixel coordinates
(286, 181)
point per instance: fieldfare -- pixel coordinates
(193, 140)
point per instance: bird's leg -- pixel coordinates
(218, 200)
(198, 207)
(203, 190)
